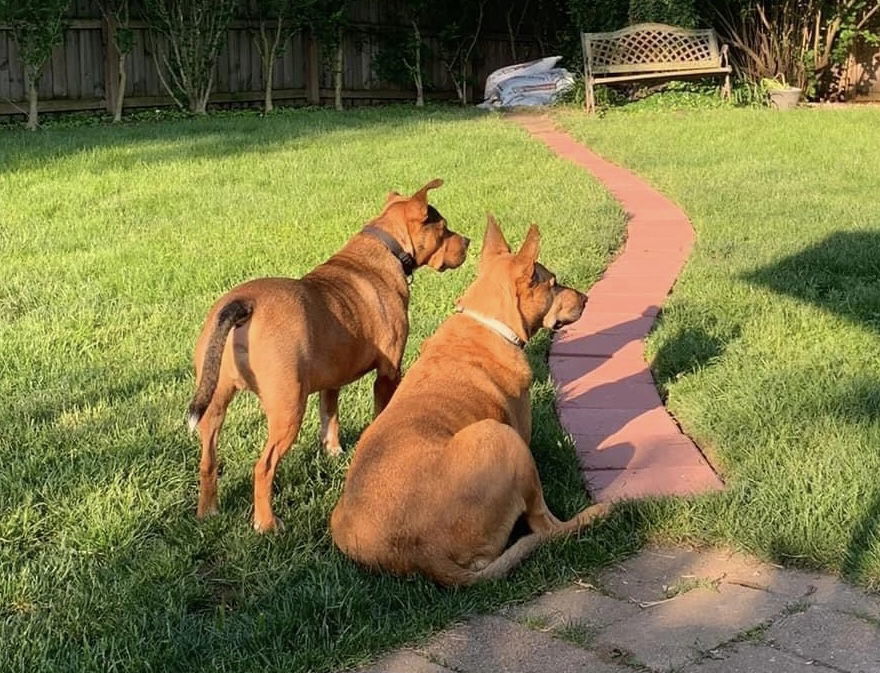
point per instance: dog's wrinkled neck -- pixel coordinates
(407, 261)
(500, 328)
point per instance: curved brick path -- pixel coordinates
(627, 444)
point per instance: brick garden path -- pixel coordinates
(627, 444)
(663, 610)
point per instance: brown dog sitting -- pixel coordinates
(285, 339)
(442, 475)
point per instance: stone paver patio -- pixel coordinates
(668, 610)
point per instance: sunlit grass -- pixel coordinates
(113, 244)
(769, 347)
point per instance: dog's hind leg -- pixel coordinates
(209, 426)
(284, 414)
(539, 517)
(330, 422)
(383, 390)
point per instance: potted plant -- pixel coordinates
(782, 96)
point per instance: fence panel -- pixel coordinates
(80, 74)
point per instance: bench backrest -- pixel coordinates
(650, 47)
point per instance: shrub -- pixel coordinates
(37, 28)
(675, 12)
(193, 31)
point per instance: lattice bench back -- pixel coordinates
(651, 47)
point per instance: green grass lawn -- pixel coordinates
(113, 244)
(769, 347)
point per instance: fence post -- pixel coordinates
(313, 71)
(111, 64)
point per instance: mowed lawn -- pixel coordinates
(113, 244)
(769, 347)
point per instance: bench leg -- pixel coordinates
(589, 96)
(726, 91)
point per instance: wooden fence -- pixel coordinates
(861, 77)
(81, 72)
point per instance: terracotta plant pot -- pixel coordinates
(784, 99)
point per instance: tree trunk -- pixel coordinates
(198, 102)
(420, 94)
(464, 81)
(417, 71)
(338, 72)
(268, 54)
(120, 90)
(510, 34)
(32, 77)
(268, 106)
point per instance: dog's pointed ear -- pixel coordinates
(391, 197)
(422, 194)
(493, 240)
(528, 253)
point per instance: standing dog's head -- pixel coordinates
(421, 230)
(515, 289)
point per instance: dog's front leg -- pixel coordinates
(330, 422)
(383, 389)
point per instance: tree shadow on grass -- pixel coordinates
(208, 595)
(217, 137)
(686, 351)
(841, 275)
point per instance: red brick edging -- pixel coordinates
(628, 446)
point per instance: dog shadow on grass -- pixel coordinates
(841, 275)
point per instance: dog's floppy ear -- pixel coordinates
(528, 253)
(422, 194)
(493, 240)
(417, 207)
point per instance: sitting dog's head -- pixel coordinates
(421, 230)
(515, 289)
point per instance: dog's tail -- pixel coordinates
(521, 549)
(232, 315)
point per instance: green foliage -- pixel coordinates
(598, 16)
(674, 12)
(119, 13)
(193, 31)
(37, 27)
(325, 20)
(672, 96)
(394, 62)
(803, 41)
(461, 22)
(291, 15)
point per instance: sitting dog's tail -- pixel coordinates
(232, 315)
(510, 558)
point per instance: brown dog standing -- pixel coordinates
(442, 475)
(285, 339)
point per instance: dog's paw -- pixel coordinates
(275, 526)
(333, 450)
(206, 511)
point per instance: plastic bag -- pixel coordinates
(533, 83)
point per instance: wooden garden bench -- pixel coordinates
(651, 51)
